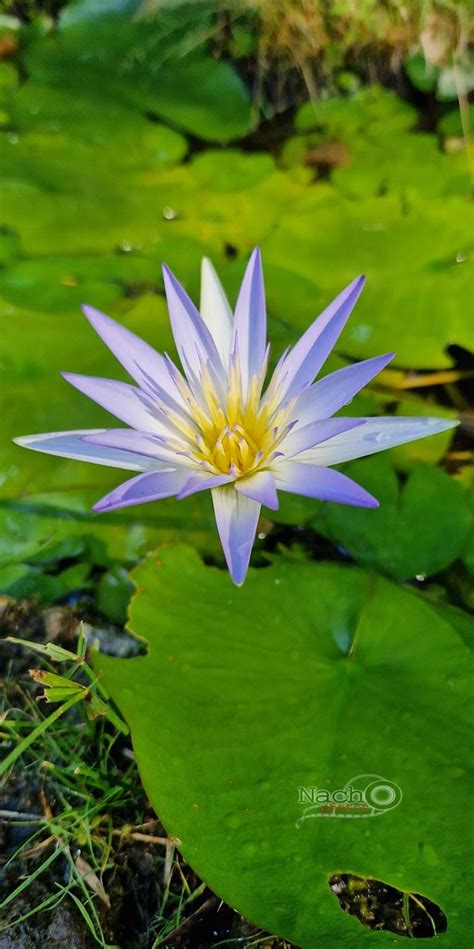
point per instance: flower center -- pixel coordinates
(233, 435)
(235, 440)
(234, 451)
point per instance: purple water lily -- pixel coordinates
(213, 427)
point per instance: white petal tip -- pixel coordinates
(438, 425)
(95, 317)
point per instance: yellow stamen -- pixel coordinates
(240, 436)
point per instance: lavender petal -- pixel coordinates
(193, 340)
(314, 481)
(126, 402)
(140, 360)
(250, 321)
(301, 439)
(202, 481)
(140, 443)
(376, 435)
(332, 392)
(73, 445)
(259, 487)
(151, 486)
(215, 310)
(237, 519)
(311, 351)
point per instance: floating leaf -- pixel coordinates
(113, 594)
(419, 528)
(155, 64)
(348, 116)
(416, 258)
(310, 676)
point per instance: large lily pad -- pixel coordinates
(348, 116)
(419, 528)
(417, 258)
(154, 63)
(381, 152)
(308, 676)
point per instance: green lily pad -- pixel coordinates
(155, 64)
(407, 163)
(419, 528)
(232, 199)
(49, 525)
(416, 258)
(113, 594)
(24, 580)
(348, 116)
(129, 139)
(379, 151)
(310, 676)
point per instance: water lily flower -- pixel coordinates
(214, 426)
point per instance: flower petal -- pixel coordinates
(72, 445)
(314, 481)
(140, 360)
(300, 439)
(126, 402)
(250, 322)
(237, 519)
(331, 393)
(139, 443)
(310, 352)
(193, 340)
(202, 481)
(260, 487)
(151, 486)
(215, 310)
(376, 435)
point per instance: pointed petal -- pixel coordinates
(250, 321)
(193, 340)
(151, 486)
(311, 351)
(126, 402)
(237, 519)
(72, 445)
(376, 435)
(331, 393)
(140, 360)
(202, 481)
(139, 443)
(300, 439)
(260, 487)
(314, 481)
(215, 310)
